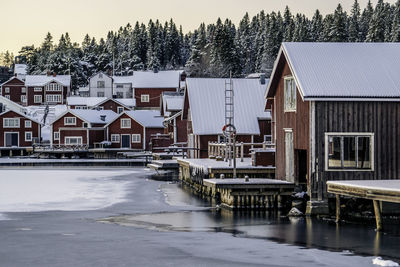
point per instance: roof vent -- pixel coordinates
(262, 78)
(103, 117)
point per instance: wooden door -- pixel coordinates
(289, 156)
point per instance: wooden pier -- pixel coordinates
(375, 190)
(248, 193)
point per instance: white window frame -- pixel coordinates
(37, 89)
(53, 87)
(7, 96)
(37, 99)
(23, 98)
(145, 98)
(28, 139)
(120, 110)
(103, 83)
(136, 138)
(53, 98)
(73, 137)
(101, 94)
(72, 122)
(56, 136)
(126, 126)
(289, 96)
(23, 90)
(268, 136)
(115, 138)
(28, 124)
(6, 90)
(6, 123)
(351, 134)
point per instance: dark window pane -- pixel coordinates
(364, 160)
(334, 151)
(349, 152)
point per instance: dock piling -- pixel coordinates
(377, 209)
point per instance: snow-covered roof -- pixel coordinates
(84, 101)
(343, 70)
(147, 118)
(11, 105)
(161, 79)
(20, 69)
(123, 79)
(83, 89)
(21, 114)
(172, 102)
(41, 80)
(129, 102)
(94, 116)
(207, 104)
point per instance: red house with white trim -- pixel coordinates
(15, 90)
(133, 129)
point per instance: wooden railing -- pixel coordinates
(60, 148)
(222, 150)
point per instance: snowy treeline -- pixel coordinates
(212, 50)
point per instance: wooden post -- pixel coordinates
(241, 151)
(378, 218)
(337, 208)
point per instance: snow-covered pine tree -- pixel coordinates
(396, 23)
(377, 25)
(317, 27)
(354, 23)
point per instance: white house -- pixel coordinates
(100, 85)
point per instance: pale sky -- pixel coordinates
(26, 22)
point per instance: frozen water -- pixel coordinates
(38, 190)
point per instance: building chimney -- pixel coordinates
(103, 117)
(54, 74)
(262, 78)
(48, 73)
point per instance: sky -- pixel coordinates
(26, 22)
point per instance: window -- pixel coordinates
(135, 138)
(101, 84)
(100, 94)
(37, 99)
(37, 89)
(81, 107)
(349, 151)
(119, 86)
(69, 121)
(11, 122)
(125, 123)
(23, 90)
(120, 94)
(7, 96)
(23, 98)
(56, 135)
(51, 87)
(145, 98)
(28, 136)
(7, 90)
(73, 140)
(115, 138)
(268, 139)
(28, 124)
(85, 125)
(53, 98)
(289, 94)
(120, 110)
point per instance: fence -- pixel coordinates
(222, 150)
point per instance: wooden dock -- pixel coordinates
(248, 193)
(375, 190)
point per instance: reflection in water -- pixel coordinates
(304, 231)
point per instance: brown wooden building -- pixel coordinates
(204, 110)
(18, 130)
(47, 89)
(81, 127)
(171, 110)
(335, 114)
(133, 129)
(15, 90)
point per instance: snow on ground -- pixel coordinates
(67, 190)
(381, 262)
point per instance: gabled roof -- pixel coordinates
(41, 80)
(84, 101)
(115, 100)
(129, 102)
(147, 118)
(207, 105)
(161, 79)
(12, 78)
(171, 102)
(123, 79)
(341, 70)
(21, 114)
(91, 115)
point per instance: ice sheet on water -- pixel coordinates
(42, 190)
(381, 262)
